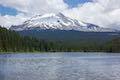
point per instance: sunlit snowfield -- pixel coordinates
(60, 66)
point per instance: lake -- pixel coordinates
(60, 66)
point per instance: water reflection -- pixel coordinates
(60, 66)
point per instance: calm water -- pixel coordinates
(60, 66)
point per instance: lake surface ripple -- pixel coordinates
(60, 66)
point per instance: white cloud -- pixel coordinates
(105, 13)
(7, 21)
(20, 5)
(30, 8)
(35, 6)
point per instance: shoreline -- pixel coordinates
(56, 52)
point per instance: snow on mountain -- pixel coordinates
(57, 22)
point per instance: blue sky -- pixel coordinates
(11, 11)
(74, 3)
(7, 11)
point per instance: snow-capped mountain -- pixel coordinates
(57, 22)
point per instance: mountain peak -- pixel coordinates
(43, 15)
(57, 22)
(60, 14)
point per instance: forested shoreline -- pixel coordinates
(11, 41)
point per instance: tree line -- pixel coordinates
(11, 41)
